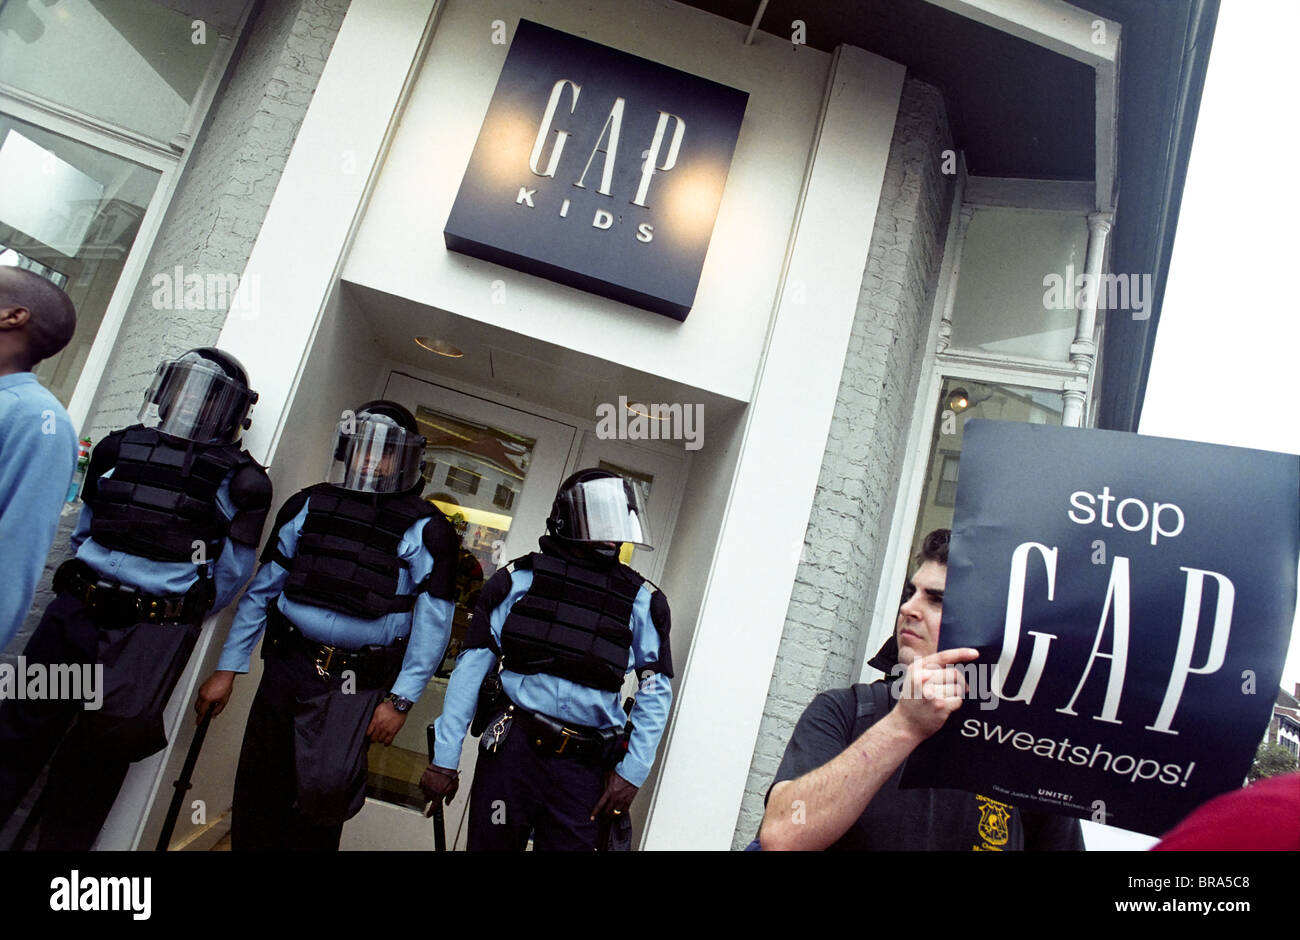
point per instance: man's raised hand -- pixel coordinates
(932, 689)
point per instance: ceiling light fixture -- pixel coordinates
(653, 412)
(439, 346)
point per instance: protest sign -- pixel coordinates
(1131, 599)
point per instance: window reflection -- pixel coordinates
(71, 213)
(960, 400)
(132, 63)
(1001, 302)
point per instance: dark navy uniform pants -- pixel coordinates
(92, 748)
(302, 767)
(519, 792)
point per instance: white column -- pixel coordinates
(726, 677)
(1083, 351)
(309, 225)
(964, 215)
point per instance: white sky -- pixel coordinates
(1225, 367)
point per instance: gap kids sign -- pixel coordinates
(1132, 599)
(599, 170)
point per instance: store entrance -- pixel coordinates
(493, 470)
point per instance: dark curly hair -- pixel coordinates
(934, 547)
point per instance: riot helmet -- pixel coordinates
(377, 450)
(201, 396)
(599, 506)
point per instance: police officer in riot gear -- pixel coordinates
(174, 510)
(563, 626)
(355, 596)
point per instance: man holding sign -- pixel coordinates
(1131, 600)
(838, 783)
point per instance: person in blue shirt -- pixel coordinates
(355, 596)
(174, 510)
(38, 448)
(560, 629)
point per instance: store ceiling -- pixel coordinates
(1016, 109)
(518, 366)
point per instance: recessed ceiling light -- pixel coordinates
(439, 346)
(653, 412)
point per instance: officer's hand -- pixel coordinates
(385, 724)
(617, 797)
(214, 694)
(932, 689)
(439, 783)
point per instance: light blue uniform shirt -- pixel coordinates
(562, 699)
(428, 624)
(38, 455)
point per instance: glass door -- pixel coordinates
(493, 471)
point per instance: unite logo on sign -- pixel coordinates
(584, 172)
(606, 143)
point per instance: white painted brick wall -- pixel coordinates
(845, 542)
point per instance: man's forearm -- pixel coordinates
(250, 617)
(812, 812)
(430, 631)
(459, 704)
(649, 717)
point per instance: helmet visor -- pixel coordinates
(196, 401)
(610, 509)
(374, 454)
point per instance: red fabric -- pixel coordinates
(1263, 817)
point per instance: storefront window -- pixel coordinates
(1010, 261)
(960, 400)
(71, 213)
(132, 63)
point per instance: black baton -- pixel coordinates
(439, 828)
(183, 782)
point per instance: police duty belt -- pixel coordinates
(554, 738)
(374, 665)
(109, 599)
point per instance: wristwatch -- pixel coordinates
(403, 705)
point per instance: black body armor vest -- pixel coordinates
(574, 622)
(347, 558)
(162, 496)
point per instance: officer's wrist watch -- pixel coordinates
(403, 705)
